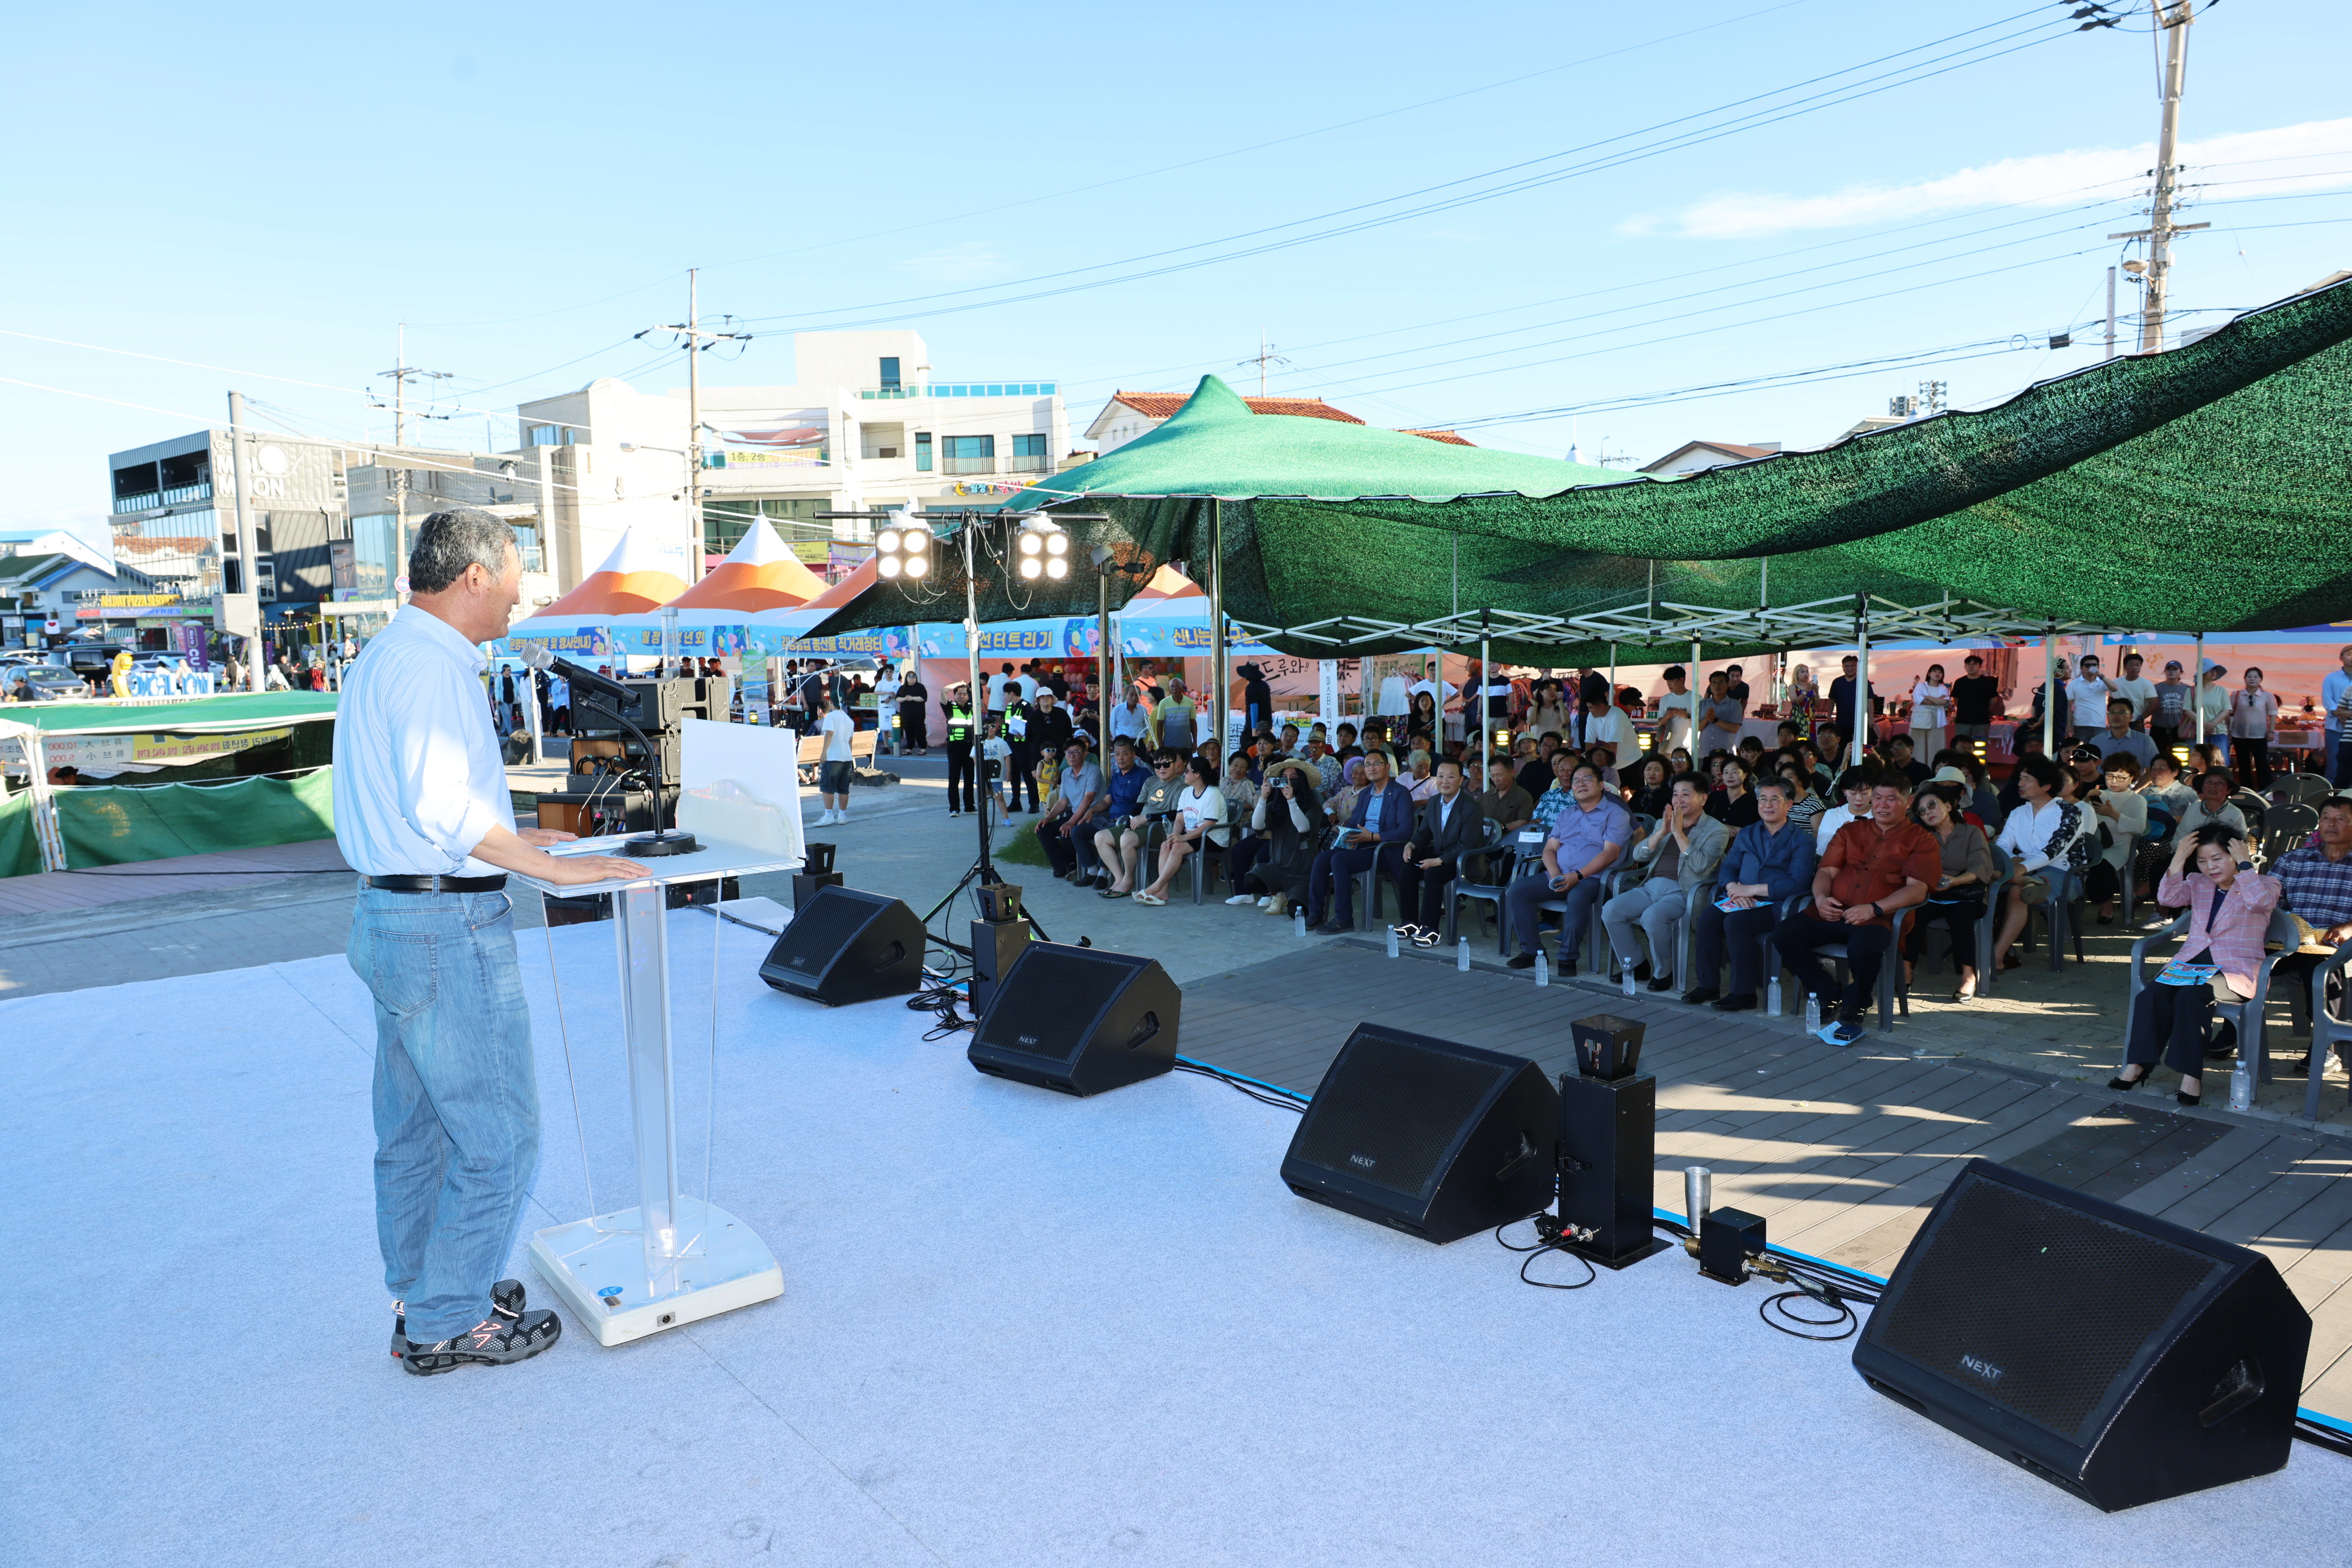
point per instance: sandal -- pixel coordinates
(1149, 901)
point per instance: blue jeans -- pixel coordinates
(456, 1098)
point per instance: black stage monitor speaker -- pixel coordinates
(1079, 1019)
(1436, 1139)
(847, 946)
(2121, 1358)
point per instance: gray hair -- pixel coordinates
(449, 541)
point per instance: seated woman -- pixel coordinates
(2229, 904)
(2119, 808)
(1200, 823)
(1957, 898)
(1650, 794)
(1733, 804)
(1290, 819)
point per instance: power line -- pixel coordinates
(1261, 146)
(1676, 142)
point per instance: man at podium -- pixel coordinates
(423, 814)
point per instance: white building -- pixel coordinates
(865, 425)
(1694, 456)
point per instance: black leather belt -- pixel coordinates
(439, 884)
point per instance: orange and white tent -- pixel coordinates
(638, 576)
(760, 574)
(1168, 584)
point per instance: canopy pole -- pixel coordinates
(1102, 672)
(2050, 691)
(1485, 719)
(1217, 621)
(1612, 675)
(1862, 725)
(1697, 689)
(2197, 688)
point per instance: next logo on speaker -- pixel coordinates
(1366, 1161)
(1977, 1366)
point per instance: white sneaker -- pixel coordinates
(1265, 902)
(1244, 899)
(825, 820)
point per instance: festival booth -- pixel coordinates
(152, 781)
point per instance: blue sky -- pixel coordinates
(274, 189)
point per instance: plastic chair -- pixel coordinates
(1200, 859)
(2327, 1034)
(1526, 866)
(2308, 788)
(2004, 869)
(2060, 912)
(1891, 992)
(1478, 892)
(2253, 808)
(2284, 827)
(2253, 1063)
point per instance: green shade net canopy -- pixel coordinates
(2203, 489)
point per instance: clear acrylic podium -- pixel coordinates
(673, 1258)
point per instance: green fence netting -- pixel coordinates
(111, 826)
(20, 852)
(2204, 487)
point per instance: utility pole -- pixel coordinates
(697, 341)
(1264, 357)
(402, 374)
(248, 565)
(2172, 18)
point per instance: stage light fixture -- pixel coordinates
(1058, 544)
(1057, 567)
(888, 566)
(917, 564)
(1030, 567)
(887, 541)
(1031, 544)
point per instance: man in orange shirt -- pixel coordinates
(1873, 868)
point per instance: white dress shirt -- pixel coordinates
(419, 777)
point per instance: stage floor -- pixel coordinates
(1017, 1329)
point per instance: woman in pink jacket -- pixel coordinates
(2229, 905)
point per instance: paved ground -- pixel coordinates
(1842, 1151)
(901, 842)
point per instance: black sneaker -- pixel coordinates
(1701, 996)
(1331, 928)
(506, 1301)
(1739, 1001)
(493, 1341)
(1521, 960)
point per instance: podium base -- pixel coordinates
(598, 1267)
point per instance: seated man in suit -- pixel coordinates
(1448, 826)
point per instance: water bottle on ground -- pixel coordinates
(1812, 1013)
(1625, 979)
(1392, 946)
(1461, 955)
(1772, 998)
(1298, 924)
(1543, 969)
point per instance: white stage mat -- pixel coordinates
(1017, 1329)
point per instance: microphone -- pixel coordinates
(582, 678)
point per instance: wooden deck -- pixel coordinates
(1841, 1150)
